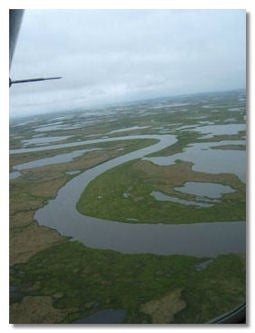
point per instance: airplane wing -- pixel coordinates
(15, 20)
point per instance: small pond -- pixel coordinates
(163, 197)
(210, 190)
(14, 174)
(74, 172)
(133, 128)
(109, 316)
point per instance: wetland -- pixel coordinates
(136, 215)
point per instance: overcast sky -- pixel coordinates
(108, 56)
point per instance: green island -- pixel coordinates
(124, 194)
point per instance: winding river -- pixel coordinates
(197, 239)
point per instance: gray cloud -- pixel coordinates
(119, 55)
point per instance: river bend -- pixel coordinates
(197, 239)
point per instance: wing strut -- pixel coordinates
(15, 20)
(33, 80)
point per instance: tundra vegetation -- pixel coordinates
(104, 196)
(55, 280)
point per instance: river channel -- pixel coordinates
(197, 239)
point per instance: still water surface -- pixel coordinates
(163, 197)
(210, 190)
(198, 239)
(60, 158)
(108, 316)
(206, 159)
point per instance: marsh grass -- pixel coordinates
(82, 281)
(103, 198)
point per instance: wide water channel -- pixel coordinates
(197, 239)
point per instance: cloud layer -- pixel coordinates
(107, 56)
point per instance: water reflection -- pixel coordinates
(209, 160)
(210, 190)
(198, 239)
(109, 316)
(44, 140)
(14, 174)
(163, 197)
(60, 158)
(226, 129)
